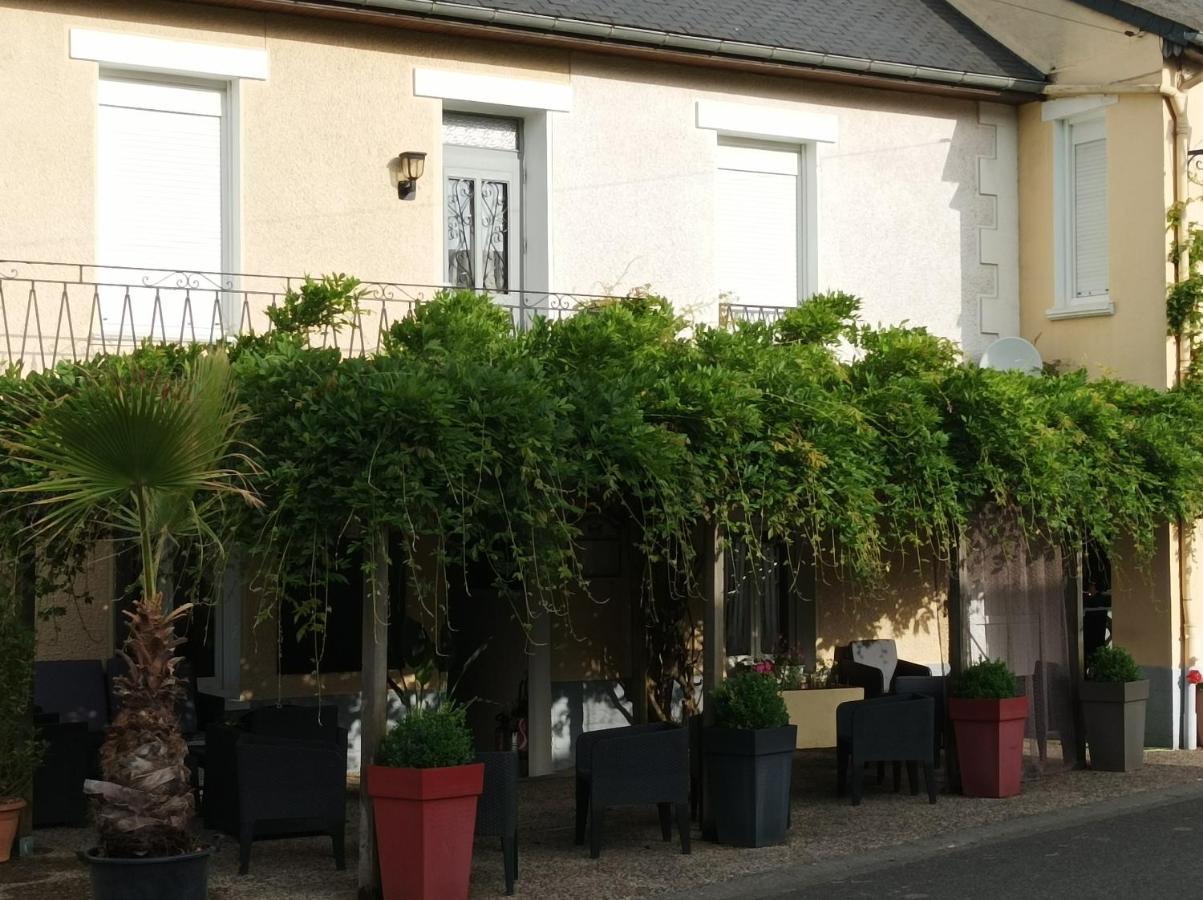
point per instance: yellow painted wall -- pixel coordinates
(911, 606)
(1132, 343)
(85, 629)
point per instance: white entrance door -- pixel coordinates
(159, 209)
(482, 171)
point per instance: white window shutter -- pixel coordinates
(758, 226)
(159, 203)
(1090, 232)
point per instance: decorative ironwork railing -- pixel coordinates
(52, 312)
(731, 313)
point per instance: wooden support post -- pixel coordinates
(374, 702)
(713, 583)
(25, 584)
(538, 697)
(637, 611)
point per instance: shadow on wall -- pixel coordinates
(910, 606)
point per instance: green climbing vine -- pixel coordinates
(485, 450)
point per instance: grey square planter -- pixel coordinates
(748, 774)
(1114, 714)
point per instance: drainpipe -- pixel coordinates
(1176, 102)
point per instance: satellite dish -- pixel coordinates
(1012, 354)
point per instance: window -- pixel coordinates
(760, 254)
(161, 206)
(1083, 234)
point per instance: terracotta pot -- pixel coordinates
(425, 819)
(990, 744)
(10, 815)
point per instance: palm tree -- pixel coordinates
(148, 454)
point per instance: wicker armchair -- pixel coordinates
(497, 808)
(58, 782)
(896, 729)
(873, 665)
(628, 766)
(280, 773)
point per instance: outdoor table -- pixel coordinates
(813, 711)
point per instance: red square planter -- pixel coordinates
(425, 819)
(989, 744)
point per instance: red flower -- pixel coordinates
(1194, 676)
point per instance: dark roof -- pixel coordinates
(1179, 21)
(930, 36)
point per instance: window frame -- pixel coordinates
(806, 209)
(1066, 302)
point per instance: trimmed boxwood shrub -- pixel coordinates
(749, 700)
(428, 738)
(1114, 665)
(986, 680)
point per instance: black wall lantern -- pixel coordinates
(411, 165)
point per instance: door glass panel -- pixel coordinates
(461, 231)
(495, 221)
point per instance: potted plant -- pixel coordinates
(20, 747)
(1113, 698)
(143, 450)
(749, 759)
(424, 789)
(988, 719)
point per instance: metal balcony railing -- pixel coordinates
(730, 314)
(52, 312)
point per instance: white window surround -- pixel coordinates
(774, 123)
(493, 90)
(1069, 107)
(1081, 122)
(165, 56)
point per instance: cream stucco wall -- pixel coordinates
(899, 203)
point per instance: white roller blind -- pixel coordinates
(758, 233)
(159, 202)
(1088, 163)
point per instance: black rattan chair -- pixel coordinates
(936, 687)
(278, 773)
(58, 782)
(896, 729)
(290, 787)
(865, 664)
(629, 766)
(497, 809)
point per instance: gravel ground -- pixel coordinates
(634, 862)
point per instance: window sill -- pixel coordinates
(1098, 307)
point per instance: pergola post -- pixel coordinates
(374, 703)
(25, 578)
(713, 578)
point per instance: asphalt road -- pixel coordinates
(1153, 853)
(1131, 848)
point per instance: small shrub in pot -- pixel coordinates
(748, 759)
(424, 788)
(1114, 697)
(20, 746)
(988, 719)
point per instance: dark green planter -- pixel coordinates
(1114, 714)
(748, 775)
